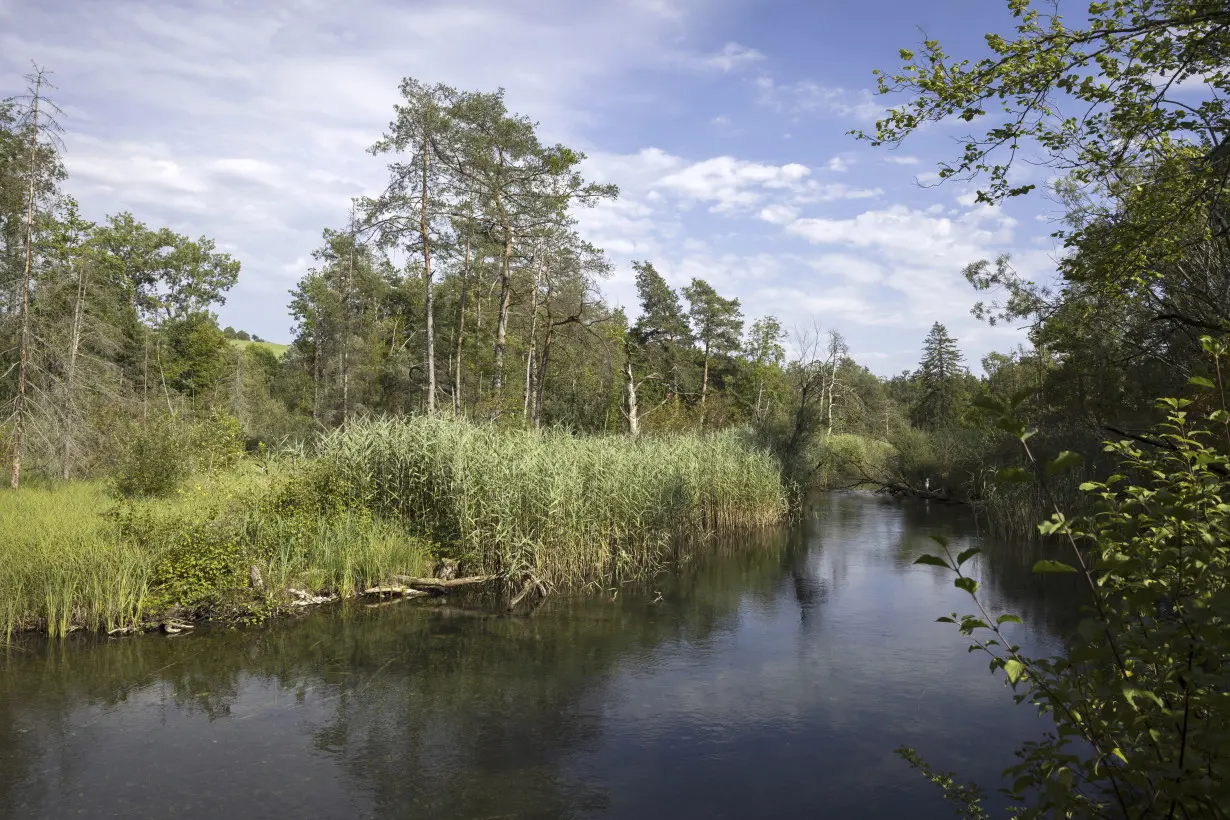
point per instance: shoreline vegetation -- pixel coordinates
(375, 510)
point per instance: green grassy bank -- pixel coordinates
(378, 499)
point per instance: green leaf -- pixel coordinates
(988, 403)
(967, 584)
(1015, 670)
(1012, 475)
(1064, 461)
(1012, 427)
(932, 560)
(1201, 381)
(965, 555)
(940, 539)
(1008, 618)
(1053, 566)
(1132, 693)
(944, 619)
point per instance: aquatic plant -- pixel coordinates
(564, 508)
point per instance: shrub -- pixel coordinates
(167, 449)
(1140, 699)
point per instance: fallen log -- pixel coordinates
(442, 583)
(405, 592)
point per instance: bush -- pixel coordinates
(1140, 698)
(166, 450)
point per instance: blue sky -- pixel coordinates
(723, 122)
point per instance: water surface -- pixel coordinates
(772, 679)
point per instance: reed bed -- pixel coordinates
(562, 508)
(381, 499)
(63, 564)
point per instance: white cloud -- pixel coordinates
(728, 183)
(838, 164)
(732, 57)
(778, 214)
(901, 160)
(808, 97)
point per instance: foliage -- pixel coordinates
(1123, 69)
(167, 449)
(1138, 698)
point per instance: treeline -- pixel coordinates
(464, 287)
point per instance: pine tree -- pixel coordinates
(717, 322)
(940, 375)
(662, 333)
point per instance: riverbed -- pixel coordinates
(772, 678)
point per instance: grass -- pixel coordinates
(63, 563)
(276, 349)
(381, 498)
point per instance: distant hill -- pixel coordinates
(273, 347)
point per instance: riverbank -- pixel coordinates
(378, 501)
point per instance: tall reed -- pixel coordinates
(562, 507)
(63, 564)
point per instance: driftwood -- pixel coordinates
(442, 583)
(405, 592)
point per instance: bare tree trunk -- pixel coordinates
(501, 332)
(634, 422)
(70, 376)
(529, 354)
(541, 381)
(461, 327)
(430, 322)
(316, 371)
(23, 356)
(704, 386)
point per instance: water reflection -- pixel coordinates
(774, 677)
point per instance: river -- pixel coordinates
(771, 679)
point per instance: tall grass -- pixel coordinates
(564, 508)
(64, 564)
(374, 504)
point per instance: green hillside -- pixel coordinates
(273, 347)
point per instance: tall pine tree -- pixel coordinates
(940, 377)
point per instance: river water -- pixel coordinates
(773, 679)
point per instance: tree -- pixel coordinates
(36, 120)
(764, 352)
(192, 353)
(1122, 70)
(836, 352)
(418, 193)
(940, 374)
(1138, 694)
(717, 323)
(1129, 110)
(519, 184)
(662, 332)
(168, 276)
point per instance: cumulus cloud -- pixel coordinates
(732, 57)
(838, 164)
(809, 97)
